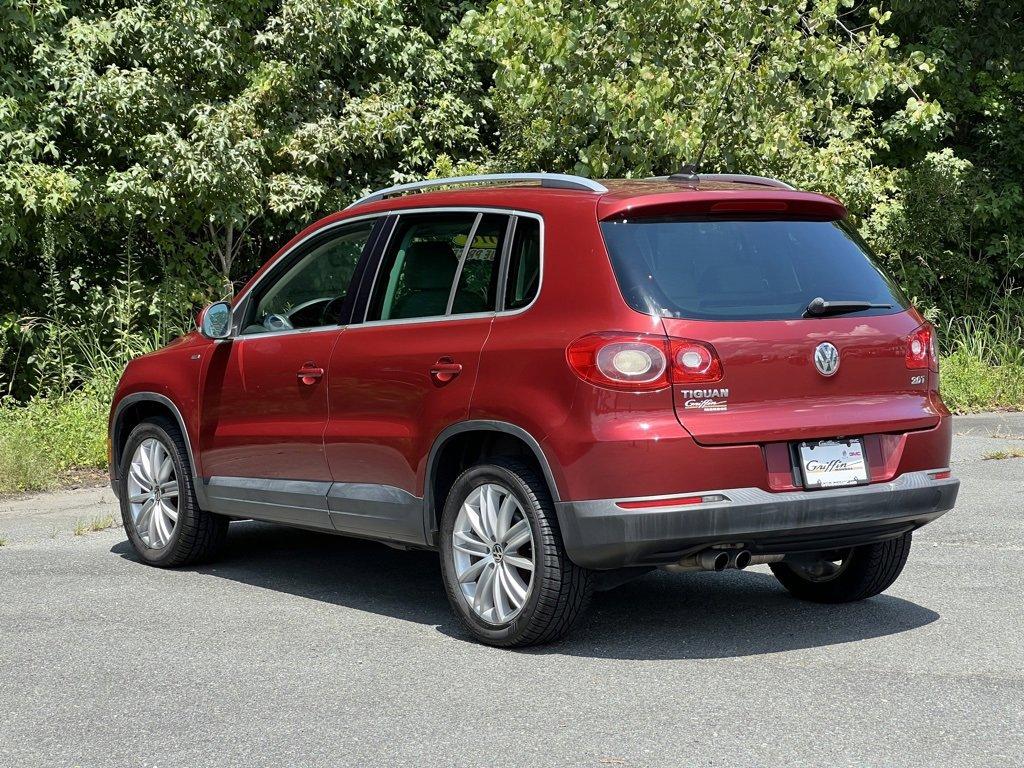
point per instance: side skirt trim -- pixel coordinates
(362, 509)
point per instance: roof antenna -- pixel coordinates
(689, 172)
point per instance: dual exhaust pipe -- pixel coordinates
(720, 560)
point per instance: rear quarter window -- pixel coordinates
(743, 269)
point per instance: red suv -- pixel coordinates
(555, 383)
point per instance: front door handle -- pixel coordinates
(309, 374)
(444, 370)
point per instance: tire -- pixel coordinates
(864, 572)
(558, 591)
(197, 535)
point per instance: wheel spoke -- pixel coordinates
(166, 467)
(473, 516)
(465, 542)
(142, 521)
(473, 572)
(517, 535)
(152, 462)
(514, 586)
(169, 490)
(498, 595)
(161, 523)
(489, 511)
(504, 518)
(169, 512)
(139, 498)
(154, 528)
(484, 595)
(519, 562)
(137, 473)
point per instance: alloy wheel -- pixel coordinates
(153, 493)
(494, 553)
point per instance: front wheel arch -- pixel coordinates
(136, 408)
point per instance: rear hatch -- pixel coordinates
(743, 285)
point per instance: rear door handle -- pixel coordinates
(309, 373)
(445, 369)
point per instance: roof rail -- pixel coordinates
(554, 180)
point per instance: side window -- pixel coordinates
(428, 252)
(524, 264)
(478, 280)
(310, 293)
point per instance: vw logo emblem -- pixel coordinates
(826, 359)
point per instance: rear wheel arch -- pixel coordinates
(462, 445)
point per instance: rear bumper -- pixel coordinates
(600, 534)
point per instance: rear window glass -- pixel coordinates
(743, 270)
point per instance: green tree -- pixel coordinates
(203, 130)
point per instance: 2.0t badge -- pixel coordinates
(826, 359)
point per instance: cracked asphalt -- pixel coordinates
(303, 649)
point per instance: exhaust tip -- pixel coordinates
(721, 561)
(742, 559)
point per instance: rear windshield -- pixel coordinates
(743, 270)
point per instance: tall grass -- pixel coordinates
(982, 365)
(78, 357)
(46, 437)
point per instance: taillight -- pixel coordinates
(618, 361)
(641, 362)
(694, 362)
(921, 349)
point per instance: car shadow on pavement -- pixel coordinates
(657, 616)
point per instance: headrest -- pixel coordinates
(430, 266)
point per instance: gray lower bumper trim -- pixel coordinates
(600, 534)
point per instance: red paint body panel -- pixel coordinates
(775, 393)
(376, 413)
(386, 408)
(174, 372)
(259, 419)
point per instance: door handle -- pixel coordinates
(444, 370)
(309, 373)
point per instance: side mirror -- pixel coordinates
(215, 321)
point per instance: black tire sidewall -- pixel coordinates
(872, 569)
(513, 631)
(182, 471)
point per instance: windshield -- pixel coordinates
(744, 269)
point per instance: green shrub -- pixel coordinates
(983, 365)
(48, 436)
(969, 384)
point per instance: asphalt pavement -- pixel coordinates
(303, 649)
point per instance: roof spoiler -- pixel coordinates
(725, 203)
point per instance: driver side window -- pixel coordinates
(310, 293)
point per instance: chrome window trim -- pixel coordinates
(398, 213)
(414, 320)
(317, 233)
(510, 212)
(290, 332)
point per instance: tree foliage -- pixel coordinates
(153, 152)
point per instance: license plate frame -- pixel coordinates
(844, 450)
